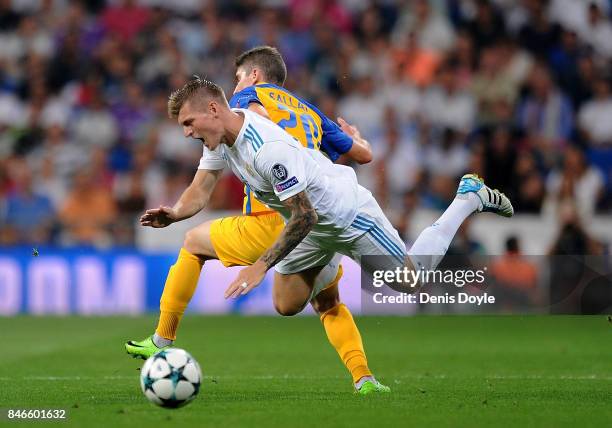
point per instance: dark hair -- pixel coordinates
(197, 86)
(268, 59)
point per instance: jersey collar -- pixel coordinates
(245, 123)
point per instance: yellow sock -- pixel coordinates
(344, 336)
(179, 288)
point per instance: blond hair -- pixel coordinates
(198, 90)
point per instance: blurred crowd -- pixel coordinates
(518, 91)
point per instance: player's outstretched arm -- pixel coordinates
(193, 200)
(360, 151)
(303, 218)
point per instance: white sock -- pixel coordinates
(160, 342)
(363, 380)
(431, 245)
(326, 276)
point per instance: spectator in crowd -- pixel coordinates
(419, 64)
(66, 155)
(447, 157)
(580, 87)
(463, 59)
(500, 156)
(433, 30)
(87, 212)
(94, 125)
(132, 111)
(516, 62)
(365, 105)
(397, 163)
(445, 105)
(494, 94)
(125, 19)
(516, 278)
(29, 216)
(487, 27)
(574, 14)
(409, 107)
(564, 62)
(599, 34)
(527, 190)
(576, 183)
(131, 203)
(538, 35)
(594, 116)
(48, 182)
(545, 114)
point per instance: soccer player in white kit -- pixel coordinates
(325, 209)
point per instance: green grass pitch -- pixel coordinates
(273, 371)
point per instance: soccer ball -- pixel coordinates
(170, 378)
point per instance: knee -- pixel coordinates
(286, 310)
(191, 243)
(323, 304)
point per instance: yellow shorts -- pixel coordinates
(241, 240)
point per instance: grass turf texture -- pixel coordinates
(259, 371)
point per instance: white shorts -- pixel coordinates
(370, 234)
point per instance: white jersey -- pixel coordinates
(277, 167)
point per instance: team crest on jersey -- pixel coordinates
(279, 171)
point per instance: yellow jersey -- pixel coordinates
(298, 118)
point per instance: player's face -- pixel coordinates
(201, 124)
(244, 78)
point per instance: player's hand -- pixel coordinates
(158, 217)
(349, 129)
(248, 278)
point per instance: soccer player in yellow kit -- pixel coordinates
(240, 240)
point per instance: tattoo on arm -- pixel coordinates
(303, 218)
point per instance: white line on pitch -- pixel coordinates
(299, 377)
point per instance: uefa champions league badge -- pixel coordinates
(279, 171)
